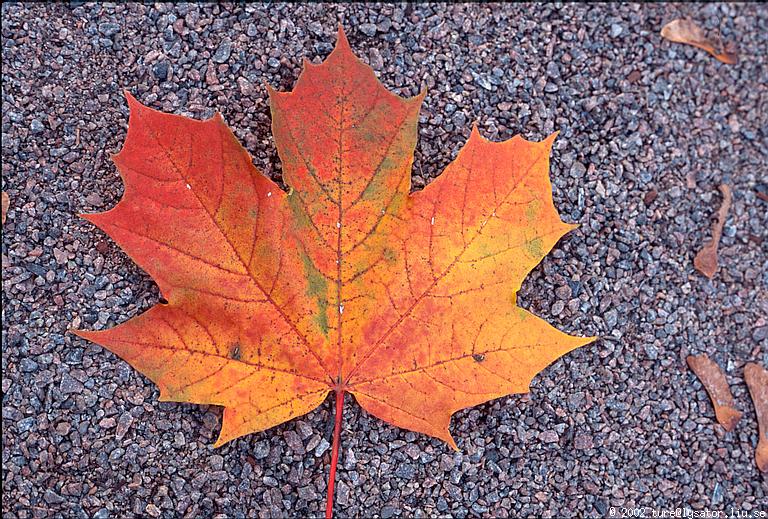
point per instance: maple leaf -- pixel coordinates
(347, 283)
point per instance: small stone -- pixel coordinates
(261, 450)
(69, 385)
(388, 511)
(405, 471)
(109, 29)
(553, 70)
(52, 498)
(369, 29)
(549, 437)
(26, 424)
(153, 510)
(123, 424)
(273, 62)
(717, 494)
(483, 82)
(60, 256)
(223, 52)
(36, 126)
(316, 28)
(294, 442)
(246, 88)
(210, 75)
(322, 447)
(616, 30)
(160, 70)
(305, 431)
(375, 60)
(447, 462)
(216, 462)
(94, 199)
(218, 475)
(28, 365)
(601, 506)
(199, 480)
(578, 169)
(307, 493)
(563, 292)
(583, 442)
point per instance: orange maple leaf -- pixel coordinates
(346, 283)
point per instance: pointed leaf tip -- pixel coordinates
(551, 137)
(132, 101)
(341, 38)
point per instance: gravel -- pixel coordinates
(648, 129)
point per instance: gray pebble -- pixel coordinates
(160, 70)
(109, 29)
(369, 29)
(69, 385)
(223, 52)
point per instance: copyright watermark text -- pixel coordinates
(642, 512)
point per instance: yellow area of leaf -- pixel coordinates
(349, 282)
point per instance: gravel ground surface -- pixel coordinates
(648, 131)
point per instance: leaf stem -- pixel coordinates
(334, 452)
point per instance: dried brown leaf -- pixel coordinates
(6, 205)
(757, 381)
(706, 260)
(717, 388)
(686, 31)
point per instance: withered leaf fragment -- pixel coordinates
(686, 31)
(6, 205)
(717, 387)
(706, 260)
(757, 381)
